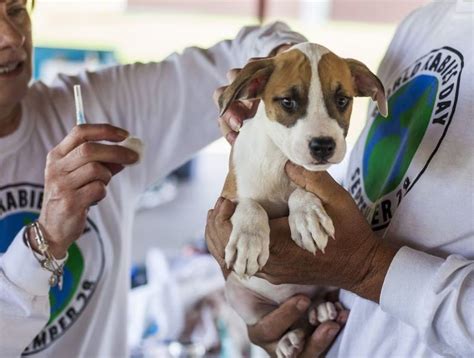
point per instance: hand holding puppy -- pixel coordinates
(356, 260)
(269, 330)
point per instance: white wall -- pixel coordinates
(117, 5)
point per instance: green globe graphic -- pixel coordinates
(392, 142)
(73, 270)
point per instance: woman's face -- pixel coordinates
(15, 51)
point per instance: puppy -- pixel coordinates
(306, 94)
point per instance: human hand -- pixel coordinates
(218, 230)
(270, 329)
(240, 110)
(356, 260)
(77, 173)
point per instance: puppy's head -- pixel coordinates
(307, 92)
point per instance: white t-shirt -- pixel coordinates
(413, 176)
(169, 105)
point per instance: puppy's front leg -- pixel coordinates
(249, 242)
(310, 225)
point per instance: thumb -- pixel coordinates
(224, 209)
(319, 183)
(321, 340)
(272, 326)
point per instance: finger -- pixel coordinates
(321, 339)
(239, 111)
(253, 106)
(225, 210)
(342, 317)
(231, 137)
(217, 93)
(88, 133)
(224, 127)
(319, 183)
(91, 193)
(216, 251)
(88, 173)
(210, 213)
(276, 323)
(232, 74)
(98, 152)
(218, 204)
(114, 168)
(214, 247)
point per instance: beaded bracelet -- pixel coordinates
(46, 259)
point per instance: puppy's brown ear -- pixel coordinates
(249, 83)
(368, 85)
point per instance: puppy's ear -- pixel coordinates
(368, 85)
(249, 83)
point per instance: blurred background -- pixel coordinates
(177, 306)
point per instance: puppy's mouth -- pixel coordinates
(317, 166)
(321, 162)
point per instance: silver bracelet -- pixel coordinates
(46, 259)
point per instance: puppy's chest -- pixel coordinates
(260, 175)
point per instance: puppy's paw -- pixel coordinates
(310, 225)
(324, 311)
(250, 251)
(291, 344)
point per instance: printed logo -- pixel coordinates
(398, 149)
(20, 204)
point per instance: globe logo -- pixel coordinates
(392, 142)
(59, 299)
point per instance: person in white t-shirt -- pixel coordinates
(404, 249)
(62, 177)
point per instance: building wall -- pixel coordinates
(373, 10)
(349, 10)
(287, 8)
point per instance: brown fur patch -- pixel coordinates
(229, 191)
(336, 80)
(291, 78)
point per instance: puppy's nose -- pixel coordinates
(322, 148)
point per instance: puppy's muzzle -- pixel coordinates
(322, 148)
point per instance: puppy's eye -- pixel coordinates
(288, 104)
(342, 101)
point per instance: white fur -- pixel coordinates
(250, 239)
(291, 344)
(294, 141)
(259, 167)
(310, 225)
(265, 192)
(322, 312)
(326, 312)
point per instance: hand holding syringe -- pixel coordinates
(77, 173)
(133, 143)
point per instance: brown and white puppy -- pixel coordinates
(304, 115)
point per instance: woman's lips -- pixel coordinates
(11, 69)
